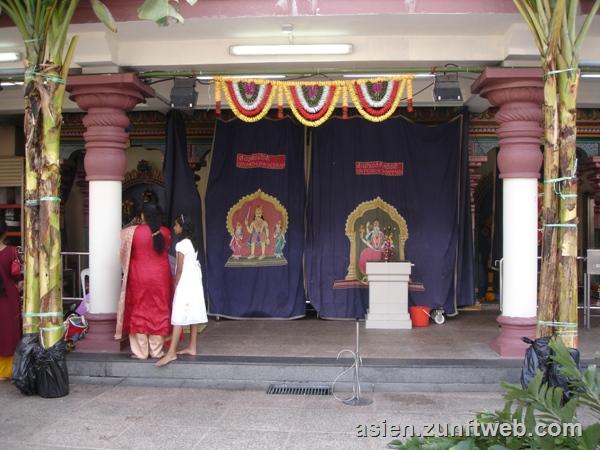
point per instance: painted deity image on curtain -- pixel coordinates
(257, 224)
(377, 232)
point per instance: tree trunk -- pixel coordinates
(50, 257)
(31, 237)
(567, 308)
(548, 289)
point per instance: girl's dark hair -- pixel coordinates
(185, 222)
(153, 219)
(3, 230)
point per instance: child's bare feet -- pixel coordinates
(187, 351)
(166, 360)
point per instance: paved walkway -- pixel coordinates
(138, 417)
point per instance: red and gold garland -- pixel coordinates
(313, 102)
(248, 112)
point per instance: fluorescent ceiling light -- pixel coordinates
(11, 83)
(383, 75)
(291, 49)
(9, 56)
(590, 75)
(257, 77)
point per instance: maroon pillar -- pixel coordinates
(519, 94)
(106, 99)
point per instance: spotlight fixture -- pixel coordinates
(290, 49)
(9, 56)
(446, 88)
(183, 94)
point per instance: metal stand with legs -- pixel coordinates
(356, 399)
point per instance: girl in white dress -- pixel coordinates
(188, 301)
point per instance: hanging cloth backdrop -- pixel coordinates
(386, 190)
(255, 220)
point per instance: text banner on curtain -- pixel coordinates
(255, 220)
(376, 186)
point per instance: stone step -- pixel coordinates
(376, 375)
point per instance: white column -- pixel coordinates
(520, 247)
(104, 229)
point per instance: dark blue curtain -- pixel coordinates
(180, 185)
(431, 196)
(266, 156)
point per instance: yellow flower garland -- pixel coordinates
(364, 113)
(342, 88)
(299, 116)
(238, 113)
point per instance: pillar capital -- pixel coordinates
(520, 95)
(106, 99)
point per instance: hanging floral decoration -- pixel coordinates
(377, 99)
(313, 102)
(250, 100)
(218, 83)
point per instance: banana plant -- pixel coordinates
(559, 38)
(43, 25)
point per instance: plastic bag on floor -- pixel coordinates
(537, 357)
(52, 376)
(23, 376)
(557, 379)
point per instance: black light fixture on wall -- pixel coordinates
(183, 93)
(446, 88)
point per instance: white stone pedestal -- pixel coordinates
(388, 295)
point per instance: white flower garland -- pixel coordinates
(240, 98)
(306, 106)
(384, 100)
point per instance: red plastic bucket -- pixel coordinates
(419, 315)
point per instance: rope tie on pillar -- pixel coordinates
(558, 191)
(43, 314)
(557, 71)
(36, 201)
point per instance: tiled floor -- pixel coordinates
(127, 417)
(466, 336)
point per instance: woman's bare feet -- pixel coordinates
(187, 351)
(166, 360)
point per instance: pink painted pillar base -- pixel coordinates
(509, 344)
(101, 335)
(519, 94)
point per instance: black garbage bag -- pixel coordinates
(537, 357)
(23, 376)
(52, 377)
(557, 379)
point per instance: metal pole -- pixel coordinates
(356, 399)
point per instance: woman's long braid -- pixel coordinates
(153, 219)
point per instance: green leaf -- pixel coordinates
(497, 447)
(464, 445)
(104, 15)
(159, 11)
(591, 436)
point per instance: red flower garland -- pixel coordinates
(248, 112)
(376, 111)
(312, 116)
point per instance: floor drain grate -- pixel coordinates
(299, 389)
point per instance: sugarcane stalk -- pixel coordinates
(567, 306)
(547, 293)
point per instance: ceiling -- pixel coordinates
(397, 37)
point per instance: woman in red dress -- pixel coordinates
(148, 290)
(10, 308)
